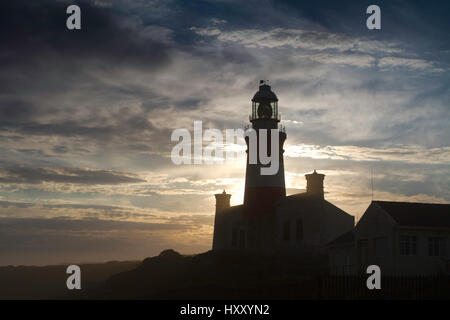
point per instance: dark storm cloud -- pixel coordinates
(81, 206)
(20, 174)
(44, 67)
(8, 204)
(31, 29)
(16, 110)
(431, 184)
(415, 21)
(131, 125)
(60, 149)
(15, 204)
(22, 224)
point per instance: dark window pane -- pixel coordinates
(436, 246)
(408, 245)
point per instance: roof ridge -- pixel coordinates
(407, 202)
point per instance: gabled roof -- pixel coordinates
(234, 209)
(417, 214)
(302, 195)
(309, 203)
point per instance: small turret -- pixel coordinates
(314, 184)
(220, 236)
(222, 201)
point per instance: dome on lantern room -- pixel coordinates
(264, 93)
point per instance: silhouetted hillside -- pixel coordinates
(31, 282)
(170, 275)
(217, 275)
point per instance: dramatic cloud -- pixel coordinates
(86, 116)
(417, 64)
(295, 38)
(64, 175)
(41, 241)
(359, 60)
(407, 154)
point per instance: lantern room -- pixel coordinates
(264, 104)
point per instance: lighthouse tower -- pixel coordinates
(269, 222)
(262, 191)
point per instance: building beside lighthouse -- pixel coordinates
(269, 221)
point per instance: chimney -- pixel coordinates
(220, 229)
(222, 201)
(314, 184)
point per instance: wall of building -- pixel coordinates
(235, 230)
(342, 259)
(310, 233)
(421, 262)
(320, 222)
(376, 225)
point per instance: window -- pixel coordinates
(234, 238)
(436, 246)
(299, 229)
(408, 245)
(241, 239)
(380, 246)
(255, 110)
(274, 106)
(286, 231)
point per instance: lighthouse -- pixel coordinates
(269, 221)
(262, 191)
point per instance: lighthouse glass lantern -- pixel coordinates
(264, 104)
